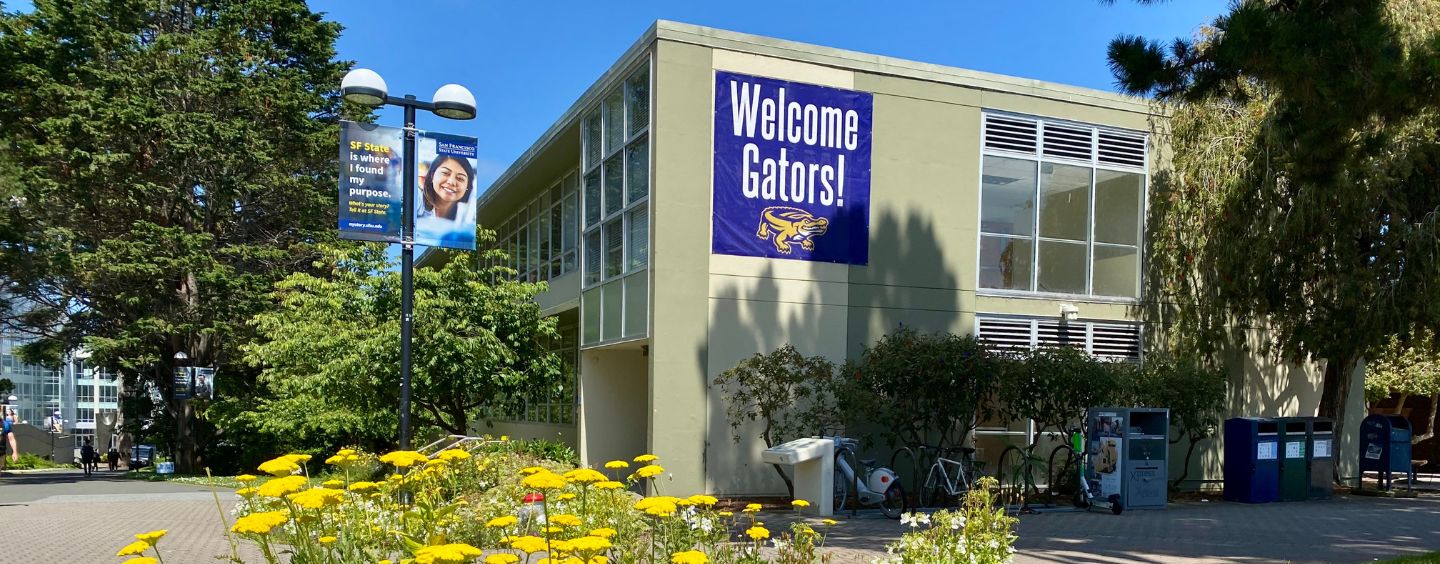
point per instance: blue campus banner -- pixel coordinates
(371, 182)
(792, 170)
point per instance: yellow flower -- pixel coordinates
(689, 557)
(362, 487)
(725, 513)
(528, 544)
(567, 496)
(500, 522)
(259, 523)
(346, 452)
(659, 506)
(316, 498)
(603, 532)
(704, 500)
(758, 533)
(646, 458)
(280, 487)
(245, 478)
(335, 460)
(502, 559)
(800, 503)
(829, 522)
(565, 520)
(589, 544)
(333, 484)
(279, 467)
(456, 553)
(545, 480)
(650, 471)
(752, 508)
(504, 438)
(584, 476)
(141, 560)
(327, 540)
(609, 485)
(152, 537)
(385, 561)
(404, 458)
(528, 470)
(452, 454)
(297, 458)
(246, 492)
(134, 548)
(617, 464)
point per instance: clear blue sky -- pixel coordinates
(527, 62)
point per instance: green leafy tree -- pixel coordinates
(165, 163)
(1301, 195)
(1193, 392)
(6, 386)
(790, 394)
(329, 355)
(922, 388)
(1405, 367)
(1054, 386)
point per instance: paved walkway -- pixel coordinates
(64, 518)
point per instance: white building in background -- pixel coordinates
(82, 393)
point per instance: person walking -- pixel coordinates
(8, 419)
(87, 457)
(113, 457)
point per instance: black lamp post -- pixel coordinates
(364, 86)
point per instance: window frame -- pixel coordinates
(629, 138)
(1038, 158)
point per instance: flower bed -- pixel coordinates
(496, 508)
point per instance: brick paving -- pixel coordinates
(64, 518)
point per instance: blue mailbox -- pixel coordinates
(1252, 460)
(1385, 447)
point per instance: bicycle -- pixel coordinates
(948, 477)
(880, 486)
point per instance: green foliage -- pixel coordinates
(330, 357)
(165, 164)
(1301, 195)
(1194, 393)
(978, 532)
(6, 386)
(922, 388)
(540, 449)
(32, 461)
(1055, 385)
(1407, 367)
(790, 394)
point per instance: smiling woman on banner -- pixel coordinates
(448, 183)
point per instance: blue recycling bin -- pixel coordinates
(1252, 460)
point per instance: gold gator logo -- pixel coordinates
(785, 226)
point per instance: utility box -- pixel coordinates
(1385, 447)
(1252, 460)
(1294, 471)
(1320, 455)
(1130, 453)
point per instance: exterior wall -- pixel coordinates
(613, 404)
(923, 245)
(524, 430)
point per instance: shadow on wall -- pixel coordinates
(822, 309)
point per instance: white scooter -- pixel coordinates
(872, 485)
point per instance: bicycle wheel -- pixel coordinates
(841, 491)
(894, 502)
(930, 489)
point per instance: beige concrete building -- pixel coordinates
(994, 202)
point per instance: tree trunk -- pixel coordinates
(1400, 405)
(1416, 439)
(769, 443)
(1335, 390)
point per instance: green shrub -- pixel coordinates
(979, 532)
(30, 461)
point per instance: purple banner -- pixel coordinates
(792, 170)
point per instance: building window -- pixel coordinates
(616, 171)
(1106, 340)
(1060, 207)
(540, 238)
